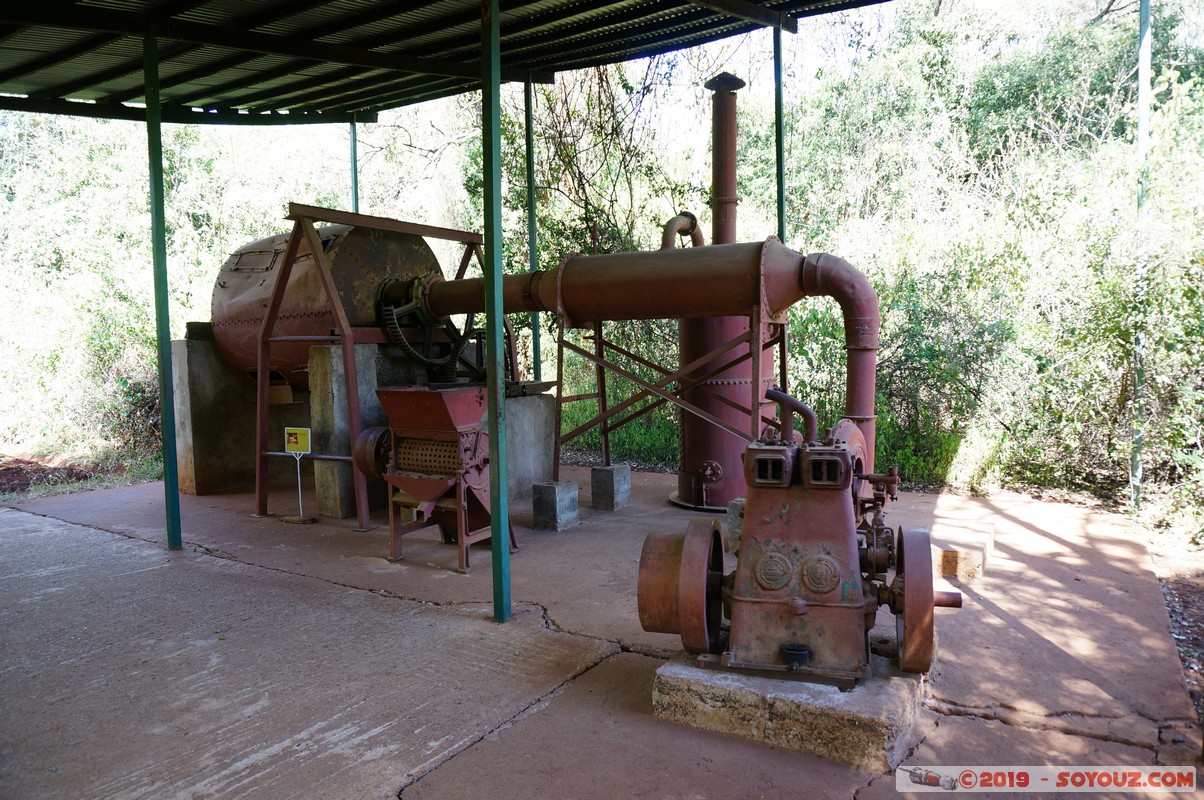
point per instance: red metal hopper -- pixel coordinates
(438, 470)
(413, 409)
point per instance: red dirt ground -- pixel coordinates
(18, 474)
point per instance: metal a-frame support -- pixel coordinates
(304, 230)
(693, 375)
(345, 335)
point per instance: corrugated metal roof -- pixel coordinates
(288, 61)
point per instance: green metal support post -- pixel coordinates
(779, 129)
(167, 409)
(1142, 277)
(532, 241)
(491, 99)
(355, 172)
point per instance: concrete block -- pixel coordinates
(873, 725)
(331, 431)
(611, 487)
(215, 420)
(554, 504)
(961, 550)
(530, 434)
(735, 525)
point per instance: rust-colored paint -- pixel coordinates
(913, 622)
(812, 565)
(679, 584)
(360, 260)
(799, 544)
(438, 469)
(713, 281)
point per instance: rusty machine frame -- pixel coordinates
(266, 323)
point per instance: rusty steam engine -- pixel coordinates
(816, 558)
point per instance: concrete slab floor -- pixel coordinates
(598, 740)
(133, 672)
(1062, 654)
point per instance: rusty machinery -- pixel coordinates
(435, 458)
(816, 559)
(812, 568)
(359, 281)
(815, 553)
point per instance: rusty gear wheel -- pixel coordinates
(372, 451)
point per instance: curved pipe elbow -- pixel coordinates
(684, 224)
(827, 275)
(792, 404)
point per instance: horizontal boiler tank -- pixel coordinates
(361, 261)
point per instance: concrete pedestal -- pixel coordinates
(331, 431)
(530, 434)
(873, 725)
(554, 505)
(611, 487)
(215, 419)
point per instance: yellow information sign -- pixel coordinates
(296, 440)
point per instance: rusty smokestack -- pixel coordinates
(723, 156)
(711, 473)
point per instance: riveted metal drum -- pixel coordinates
(361, 260)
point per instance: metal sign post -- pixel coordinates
(296, 443)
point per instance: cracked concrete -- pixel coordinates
(133, 672)
(1061, 655)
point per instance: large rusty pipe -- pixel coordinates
(828, 275)
(720, 280)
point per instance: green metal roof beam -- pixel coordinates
(352, 78)
(752, 13)
(347, 99)
(166, 53)
(58, 56)
(174, 114)
(316, 31)
(61, 15)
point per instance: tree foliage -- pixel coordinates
(986, 181)
(976, 161)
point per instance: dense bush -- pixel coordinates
(985, 180)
